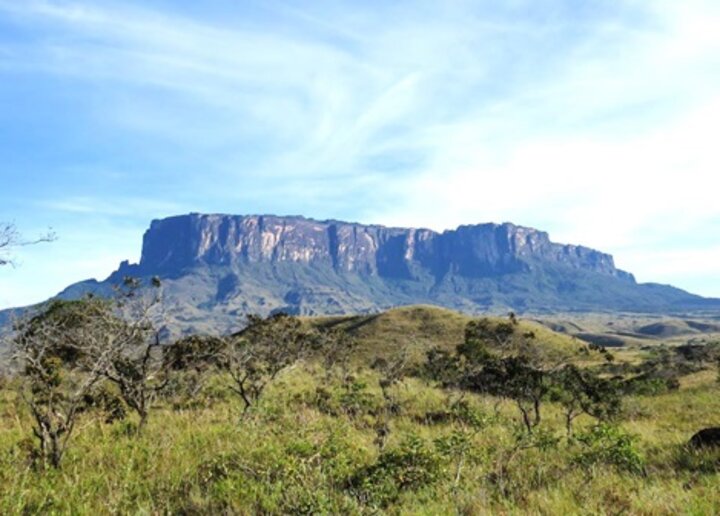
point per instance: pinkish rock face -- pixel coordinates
(474, 251)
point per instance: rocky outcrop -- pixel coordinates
(484, 250)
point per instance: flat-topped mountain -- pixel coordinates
(216, 268)
(177, 243)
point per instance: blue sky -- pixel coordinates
(596, 121)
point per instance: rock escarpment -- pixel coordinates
(182, 242)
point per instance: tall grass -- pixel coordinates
(289, 455)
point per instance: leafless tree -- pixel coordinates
(10, 238)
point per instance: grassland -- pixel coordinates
(297, 453)
(421, 328)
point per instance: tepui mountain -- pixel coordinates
(217, 268)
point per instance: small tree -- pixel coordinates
(135, 347)
(254, 357)
(65, 350)
(502, 360)
(334, 348)
(459, 445)
(583, 392)
(523, 441)
(444, 367)
(60, 364)
(524, 383)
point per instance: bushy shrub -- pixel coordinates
(105, 399)
(460, 412)
(510, 479)
(650, 385)
(352, 398)
(217, 468)
(412, 465)
(609, 445)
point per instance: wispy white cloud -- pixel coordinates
(115, 206)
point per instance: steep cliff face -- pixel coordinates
(484, 250)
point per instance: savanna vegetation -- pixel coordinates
(418, 410)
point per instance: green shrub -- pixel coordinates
(352, 399)
(607, 444)
(647, 385)
(106, 399)
(410, 466)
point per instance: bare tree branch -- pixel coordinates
(10, 238)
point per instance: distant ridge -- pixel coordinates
(216, 268)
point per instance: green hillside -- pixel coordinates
(423, 327)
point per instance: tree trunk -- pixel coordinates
(55, 451)
(143, 420)
(536, 408)
(525, 417)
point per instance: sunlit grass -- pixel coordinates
(288, 456)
